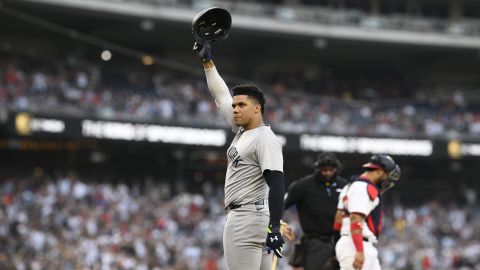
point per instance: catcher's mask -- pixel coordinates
(386, 163)
(211, 25)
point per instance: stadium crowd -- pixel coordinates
(72, 88)
(69, 223)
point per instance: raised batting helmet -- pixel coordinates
(211, 25)
(386, 163)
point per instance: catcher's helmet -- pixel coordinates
(211, 25)
(386, 163)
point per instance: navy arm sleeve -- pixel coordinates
(275, 196)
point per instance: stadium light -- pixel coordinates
(147, 60)
(106, 55)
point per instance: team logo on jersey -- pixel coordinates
(233, 156)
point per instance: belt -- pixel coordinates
(235, 206)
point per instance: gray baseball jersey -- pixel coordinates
(250, 154)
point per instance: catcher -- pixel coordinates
(359, 214)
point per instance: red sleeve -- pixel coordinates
(357, 237)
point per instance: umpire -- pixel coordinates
(316, 198)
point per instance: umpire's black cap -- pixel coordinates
(211, 25)
(327, 159)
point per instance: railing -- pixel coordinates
(328, 16)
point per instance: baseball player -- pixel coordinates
(254, 185)
(359, 214)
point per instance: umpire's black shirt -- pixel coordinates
(316, 202)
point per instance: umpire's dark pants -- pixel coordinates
(319, 254)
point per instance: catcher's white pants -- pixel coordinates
(244, 238)
(345, 252)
